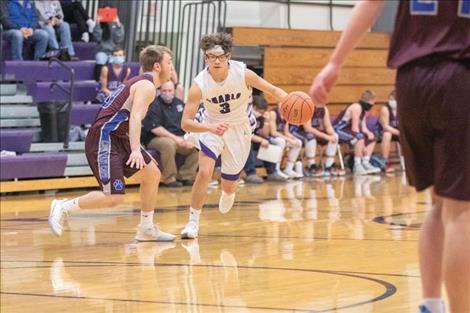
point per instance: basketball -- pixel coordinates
(297, 108)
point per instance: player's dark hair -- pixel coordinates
(217, 39)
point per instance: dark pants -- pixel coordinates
(434, 112)
(74, 12)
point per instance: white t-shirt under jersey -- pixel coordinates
(226, 101)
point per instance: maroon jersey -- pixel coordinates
(113, 117)
(423, 28)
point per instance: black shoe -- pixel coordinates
(173, 184)
(187, 182)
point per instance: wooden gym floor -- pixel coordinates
(328, 245)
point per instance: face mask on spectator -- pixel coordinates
(117, 59)
(366, 106)
(167, 98)
(392, 104)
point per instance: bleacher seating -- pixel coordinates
(18, 140)
(33, 165)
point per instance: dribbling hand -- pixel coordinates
(218, 128)
(136, 160)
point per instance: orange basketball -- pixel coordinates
(297, 108)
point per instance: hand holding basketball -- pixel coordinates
(297, 108)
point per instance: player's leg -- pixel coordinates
(368, 150)
(198, 194)
(107, 169)
(456, 253)
(430, 252)
(146, 230)
(236, 151)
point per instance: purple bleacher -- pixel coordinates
(83, 113)
(85, 50)
(83, 91)
(32, 71)
(16, 140)
(33, 165)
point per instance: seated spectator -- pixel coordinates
(51, 19)
(109, 36)
(113, 75)
(350, 125)
(20, 24)
(319, 131)
(387, 128)
(74, 13)
(260, 138)
(163, 132)
(281, 136)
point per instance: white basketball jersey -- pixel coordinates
(226, 101)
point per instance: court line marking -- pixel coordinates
(390, 290)
(237, 236)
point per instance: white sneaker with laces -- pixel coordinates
(370, 169)
(190, 231)
(57, 216)
(152, 233)
(226, 202)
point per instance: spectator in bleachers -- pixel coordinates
(113, 75)
(51, 19)
(281, 136)
(109, 36)
(20, 24)
(163, 132)
(319, 131)
(387, 128)
(350, 125)
(75, 13)
(260, 138)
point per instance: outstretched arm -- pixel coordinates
(252, 79)
(363, 15)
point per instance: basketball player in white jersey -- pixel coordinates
(224, 89)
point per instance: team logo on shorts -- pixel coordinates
(118, 184)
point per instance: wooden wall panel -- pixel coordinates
(318, 57)
(299, 37)
(348, 76)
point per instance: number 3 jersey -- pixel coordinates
(225, 101)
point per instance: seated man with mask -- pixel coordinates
(350, 125)
(162, 132)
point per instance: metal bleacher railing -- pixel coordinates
(179, 24)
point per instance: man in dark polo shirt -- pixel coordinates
(162, 132)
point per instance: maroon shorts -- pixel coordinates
(107, 157)
(434, 109)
